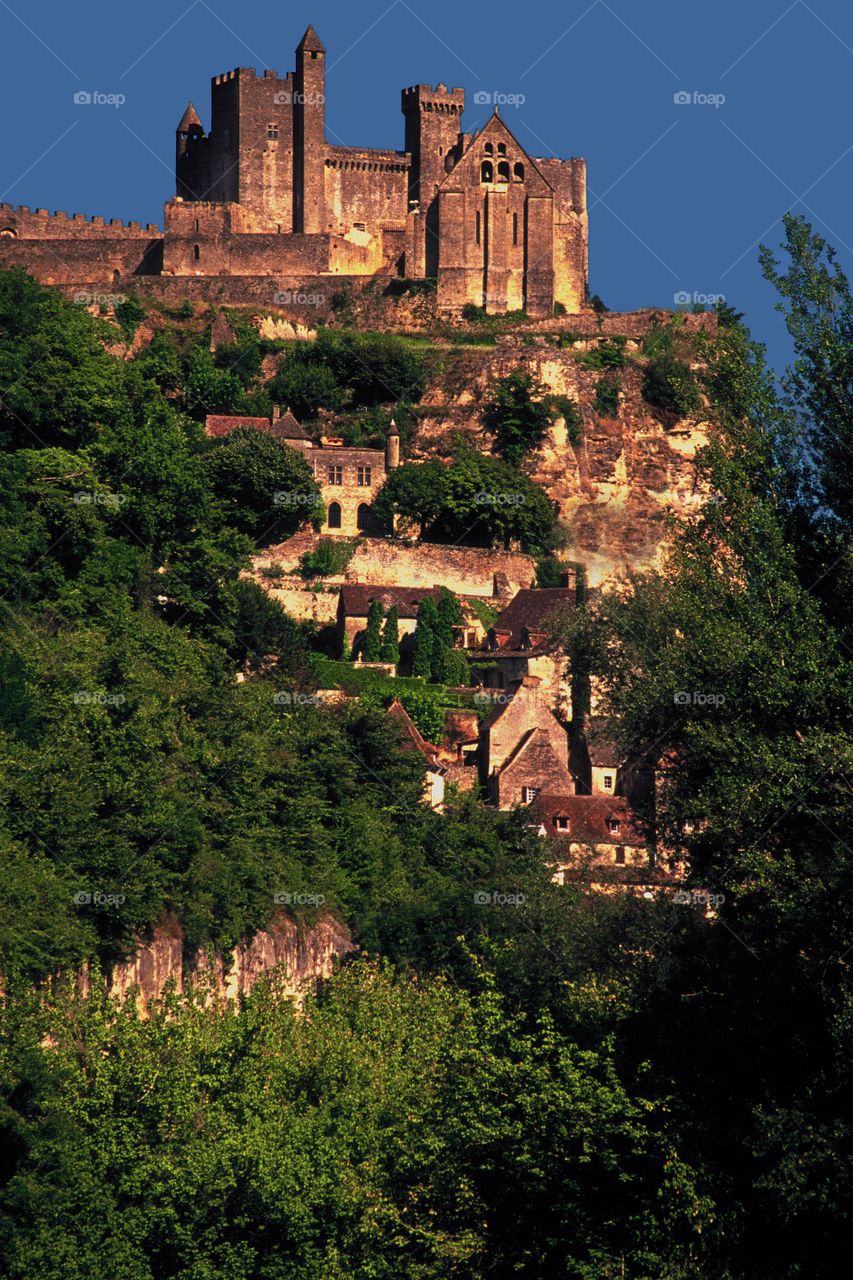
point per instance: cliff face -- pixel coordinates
(301, 955)
(615, 483)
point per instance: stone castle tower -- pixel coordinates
(263, 195)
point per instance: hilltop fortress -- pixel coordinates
(264, 196)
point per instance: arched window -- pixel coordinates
(334, 516)
(486, 171)
(503, 171)
(501, 148)
(9, 232)
(362, 518)
(196, 252)
(489, 149)
(518, 171)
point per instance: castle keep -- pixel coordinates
(263, 195)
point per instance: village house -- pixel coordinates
(354, 607)
(349, 479)
(599, 842)
(519, 644)
(524, 749)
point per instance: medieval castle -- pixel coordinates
(264, 196)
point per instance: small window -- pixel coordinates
(608, 782)
(272, 131)
(503, 171)
(487, 173)
(529, 794)
(478, 226)
(489, 149)
(562, 824)
(518, 173)
(501, 148)
(196, 252)
(336, 474)
(334, 515)
(359, 226)
(515, 228)
(196, 224)
(363, 475)
(620, 855)
(615, 826)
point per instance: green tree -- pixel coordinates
(266, 489)
(423, 647)
(669, 384)
(475, 500)
(517, 414)
(372, 649)
(390, 636)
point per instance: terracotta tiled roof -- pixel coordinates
(523, 625)
(286, 427)
(590, 819)
(219, 424)
(398, 713)
(289, 428)
(356, 599)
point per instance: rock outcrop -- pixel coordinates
(300, 955)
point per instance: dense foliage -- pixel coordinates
(530, 1080)
(473, 500)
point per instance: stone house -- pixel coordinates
(523, 747)
(354, 606)
(518, 644)
(348, 479)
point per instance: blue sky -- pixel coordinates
(681, 192)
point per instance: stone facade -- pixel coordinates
(264, 194)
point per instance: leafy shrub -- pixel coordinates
(517, 415)
(130, 315)
(330, 557)
(609, 354)
(669, 384)
(251, 472)
(569, 410)
(607, 393)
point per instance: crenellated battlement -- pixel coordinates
(32, 224)
(264, 193)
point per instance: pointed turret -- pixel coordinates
(311, 42)
(189, 120)
(392, 447)
(188, 132)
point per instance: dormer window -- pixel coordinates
(608, 782)
(562, 824)
(614, 826)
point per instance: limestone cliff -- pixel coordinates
(300, 955)
(614, 484)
